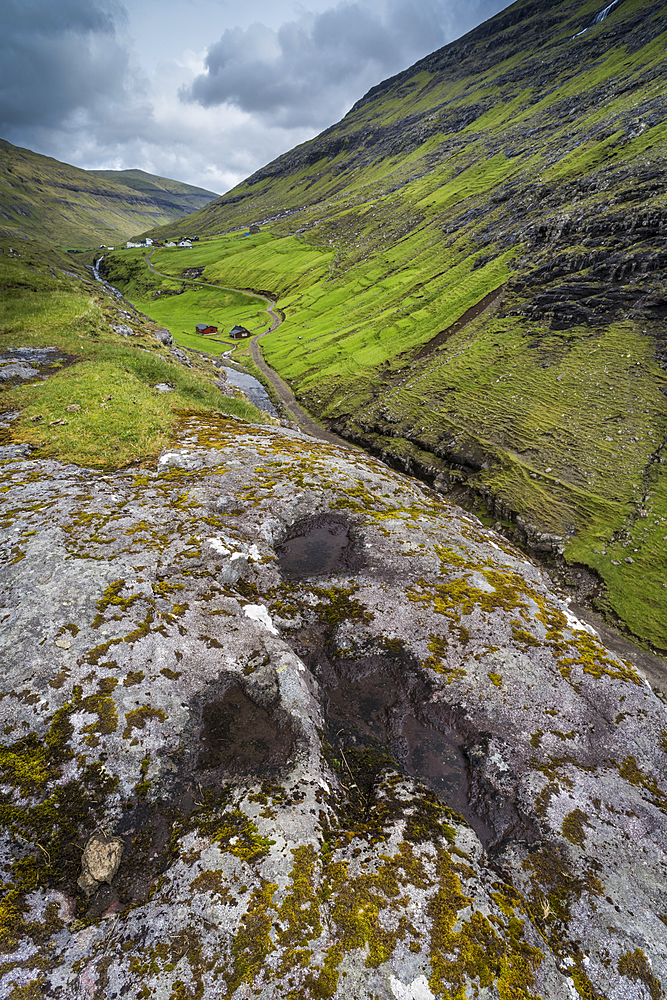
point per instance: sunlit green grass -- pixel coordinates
(181, 313)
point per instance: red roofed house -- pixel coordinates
(204, 328)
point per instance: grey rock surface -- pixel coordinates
(350, 741)
(17, 370)
(164, 336)
(21, 364)
(122, 329)
(181, 356)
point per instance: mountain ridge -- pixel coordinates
(36, 200)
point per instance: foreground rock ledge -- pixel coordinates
(257, 744)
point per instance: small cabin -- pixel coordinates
(204, 329)
(239, 333)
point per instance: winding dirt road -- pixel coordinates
(301, 417)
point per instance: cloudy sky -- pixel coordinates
(205, 91)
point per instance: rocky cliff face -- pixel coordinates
(350, 742)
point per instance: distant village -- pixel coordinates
(184, 242)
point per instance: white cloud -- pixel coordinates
(309, 71)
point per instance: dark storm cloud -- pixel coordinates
(93, 82)
(59, 58)
(308, 70)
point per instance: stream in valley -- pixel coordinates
(252, 388)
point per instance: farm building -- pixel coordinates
(238, 333)
(204, 328)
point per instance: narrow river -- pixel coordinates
(253, 389)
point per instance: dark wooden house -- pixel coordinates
(239, 333)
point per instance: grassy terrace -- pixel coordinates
(180, 304)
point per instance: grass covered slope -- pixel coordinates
(101, 408)
(53, 202)
(486, 238)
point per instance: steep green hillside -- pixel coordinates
(471, 266)
(53, 202)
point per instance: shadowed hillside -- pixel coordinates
(483, 302)
(53, 202)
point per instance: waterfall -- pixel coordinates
(598, 18)
(98, 277)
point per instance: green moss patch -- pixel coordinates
(47, 818)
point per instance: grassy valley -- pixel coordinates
(57, 204)
(471, 267)
(99, 405)
(175, 300)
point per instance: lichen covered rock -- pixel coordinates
(398, 767)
